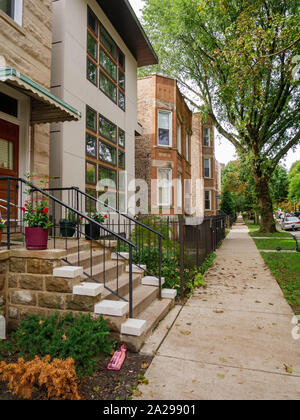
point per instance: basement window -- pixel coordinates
(14, 9)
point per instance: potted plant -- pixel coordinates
(92, 231)
(2, 227)
(68, 225)
(38, 224)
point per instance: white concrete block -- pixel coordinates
(112, 308)
(68, 272)
(134, 327)
(168, 293)
(2, 328)
(122, 256)
(137, 269)
(88, 289)
(152, 281)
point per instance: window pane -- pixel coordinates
(107, 177)
(207, 200)
(8, 7)
(108, 87)
(207, 168)
(90, 204)
(121, 100)
(92, 46)
(8, 105)
(187, 147)
(164, 128)
(92, 21)
(6, 155)
(121, 79)
(107, 129)
(164, 187)
(122, 181)
(121, 160)
(122, 203)
(91, 146)
(121, 138)
(109, 198)
(108, 64)
(92, 72)
(107, 153)
(179, 137)
(206, 136)
(90, 173)
(179, 191)
(122, 59)
(108, 42)
(91, 119)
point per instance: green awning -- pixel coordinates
(45, 107)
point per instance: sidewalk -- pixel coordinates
(232, 340)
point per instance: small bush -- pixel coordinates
(80, 338)
(59, 377)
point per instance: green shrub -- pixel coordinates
(78, 337)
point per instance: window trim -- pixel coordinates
(187, 147)
(210, 168)
(209, 137)
(17, 12)
(179, 134)
(164, 111)
(170, 171)
(210, 200)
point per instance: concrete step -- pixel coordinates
(123, 283)
(85, 257)
(105, 273)
(143, 296)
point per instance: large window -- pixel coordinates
(179, 146)
(165, 128)
(207, 200)
(179, 191)
(14, 9)
(207, 168)
(187, 147)
(105, 62)
(105, 160)
(165, 187)
(206, 136)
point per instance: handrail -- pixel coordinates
(61, 203)
(132, 219)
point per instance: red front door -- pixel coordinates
(9, 165)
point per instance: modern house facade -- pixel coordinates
(205, 168)
(163, 151)
(26, 104)
(97, 49)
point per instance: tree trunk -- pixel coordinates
(267, 222)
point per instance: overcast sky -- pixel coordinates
(225, 151)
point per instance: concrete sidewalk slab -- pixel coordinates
(232, 340)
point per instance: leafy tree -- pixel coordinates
(227, 203)
(236, 60)
(294, 177)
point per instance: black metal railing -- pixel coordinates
(15, 194)
(142, 235)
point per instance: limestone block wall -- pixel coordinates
(27, 286)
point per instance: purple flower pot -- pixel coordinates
(36, 239)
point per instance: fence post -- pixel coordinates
(181, 244)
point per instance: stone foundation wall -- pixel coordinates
(27, 286)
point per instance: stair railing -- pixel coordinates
(15, 188)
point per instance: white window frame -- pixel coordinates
(162, 111)
(169, 203)
(207, 159)
(187, 147)
(17, 12)
(209, 136)
(179, 191)
(210, 197)
(179, 137)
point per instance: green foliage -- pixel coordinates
(235, 61)
(80, 338)
(72, 218)
(227, 203)
(294, 177)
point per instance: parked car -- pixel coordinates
(290, 223)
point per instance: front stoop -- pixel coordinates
(148, 309)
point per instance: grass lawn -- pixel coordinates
(254, 232)
(266, 244)
(286, 270)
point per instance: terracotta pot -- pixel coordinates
(36, 239)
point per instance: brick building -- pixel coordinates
(205, 168)
(163, 151)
